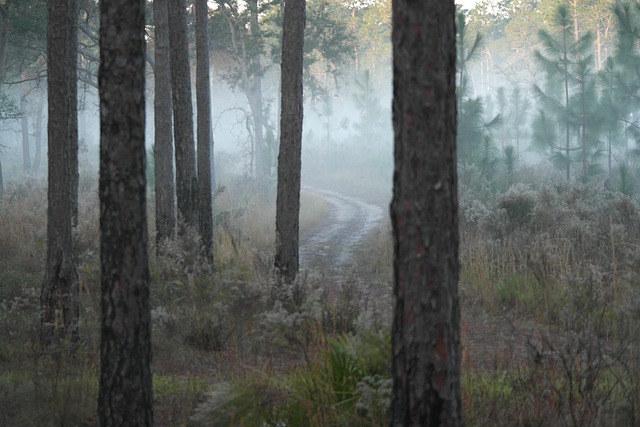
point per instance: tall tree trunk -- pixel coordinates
(125, 393)
(38, 132)
(584, 131)
(24, 121)
(576, 31)
(59, 296)
(598, 47)
(72, 65)
(205, 138)
(289, 163)
(263, 166)
(566, 100)
(1, 183)
(424, 213)
(186, 178)
(289, 160)
(4, 37)
(609, 153)
(163, 149)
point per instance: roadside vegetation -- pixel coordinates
(549, 304)
(549, 216)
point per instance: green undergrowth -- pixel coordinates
(347, 384)
(233, 345)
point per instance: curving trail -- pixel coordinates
(331, 244)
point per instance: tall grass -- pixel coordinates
(548, 292)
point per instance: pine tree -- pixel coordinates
(289, 158)
(163, 147)
(125, 394)
(185, 152)
(205, 136)
(562, 54)
(424, 215)
(59, 297)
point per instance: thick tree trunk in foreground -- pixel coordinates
(186, 181)
(59, 294)
(205, 139)
(289, 163)
(163, 149)
(125, 394)
(424, 211)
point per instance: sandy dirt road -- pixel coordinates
(331, 243)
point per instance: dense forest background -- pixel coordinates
(548, 102)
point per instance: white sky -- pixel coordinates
(467, 4)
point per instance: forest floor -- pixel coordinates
(331, 243)
(492, 341)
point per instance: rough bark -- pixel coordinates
(289, 160)
(425, 337)
(1, 183)
(186, 179)
(59, 294)
(163, 149)
(205, 139)
(125, 394)
(72, 65)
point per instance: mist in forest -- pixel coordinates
(548, 191)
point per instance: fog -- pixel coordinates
(548, 192)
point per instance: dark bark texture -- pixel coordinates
(163, 149)
(205, 138)
(424, 213)
(125, 394)
(72, 67)
(289, 161)
(186, 178)
(59, 293)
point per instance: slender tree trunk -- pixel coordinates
(598, 48)
(59, 296)
(255, 104)
(72, 65)
(424, 213)
(576, 31)
(4, 38)
(205, 139)
(356, 59)
(186, 178)
(1, 183)
(263, 166)
(26, 151)
(609, 152)
(566, 97)
(289, 160)
(163, 148)
(38, 132)
(125, 392)
(584, 132)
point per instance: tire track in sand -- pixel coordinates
(331, 243)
